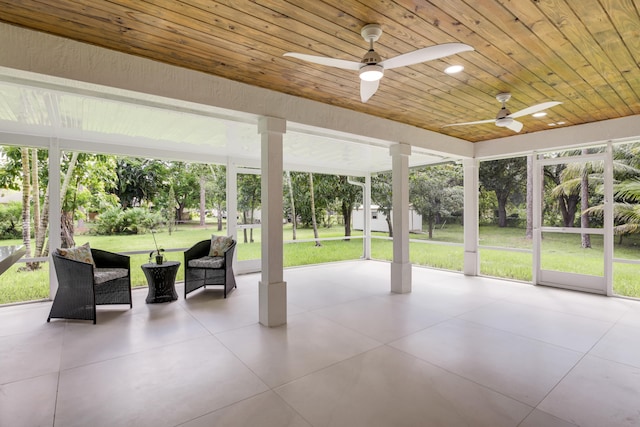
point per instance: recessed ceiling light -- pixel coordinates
(452, 69)
(540, 114)
(560, 123)
(552, 124)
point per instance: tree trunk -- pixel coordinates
(251, 229)
(430, 226)
(562, 203)
(568, 207)
(293, 204)
(220, 218)
(41, 247)
(502, 209)
(387, 216)
(35, 190)
(66, 231)
(202, 200)
(26, 206)
(67, 176)
(244, 221)
(44, 224)
(584, 202)
(529, 230)
(171, 211)
(346, 214)
(313, 210)
(179, 212)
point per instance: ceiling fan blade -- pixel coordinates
(515, 126)
(471, 123)
(323, 60)
(534, 109)
(426, 54)
(367, 89)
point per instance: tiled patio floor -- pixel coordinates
(457, 351)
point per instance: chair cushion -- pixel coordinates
(207, 262)
(219, 245)
(78, 253)
(102, 275)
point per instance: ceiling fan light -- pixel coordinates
(504, 122)
(371, 73)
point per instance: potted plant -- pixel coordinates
(158, 253)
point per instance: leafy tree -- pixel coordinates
(249, 193)
(22, 170)
(382, 195)
(217, 190)
(626, 207)
(171, 210)
(529, 201)
(139, 180)
(10, 216)
(184, 179)
(292, 203)
(347, 195)
(300, 184)
(203, 174)
(313, 210)
(88, 175)
(436, 191)
(574, 184)
(504, 177)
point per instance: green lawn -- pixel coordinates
(559, 252)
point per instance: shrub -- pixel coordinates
(129, 221)
(140, 220)
(110, 222)
(11, 221)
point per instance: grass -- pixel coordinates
(560, 251)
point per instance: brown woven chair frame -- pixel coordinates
(196, 277)
(78, 295)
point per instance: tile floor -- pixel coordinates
(457, 351)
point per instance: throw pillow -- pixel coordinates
(219, 245)
(78, 253)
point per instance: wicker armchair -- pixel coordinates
(81, 286)
(201, 270)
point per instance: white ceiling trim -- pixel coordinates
(614, 130)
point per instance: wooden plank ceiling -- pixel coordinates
(584, 53)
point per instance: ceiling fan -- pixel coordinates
(371, 67)
(505, 118)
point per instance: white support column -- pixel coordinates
(232, 201)
(538, 196)
(367, 217)
(54, 211)
(232, 205)
(608, 220)
(471, 255)
(401, 265)
(273, 289)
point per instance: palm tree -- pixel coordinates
(626, 207)
(626, 211)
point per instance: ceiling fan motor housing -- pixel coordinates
(371, 57)
(503, 113)
(503, 119)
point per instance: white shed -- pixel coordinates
(379, 219)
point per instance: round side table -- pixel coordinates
(162, 281)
